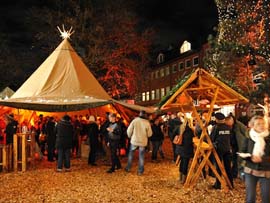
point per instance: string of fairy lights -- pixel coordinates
(241, 48)
(244, 25)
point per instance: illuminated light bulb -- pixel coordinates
(65, 34)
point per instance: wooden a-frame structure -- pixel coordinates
(202, 87)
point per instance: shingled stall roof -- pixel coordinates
(201, 86)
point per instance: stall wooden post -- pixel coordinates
(23, 137)
(205, 152)
(4, 158)
(15, 152)
(22, 151)
(3, 163)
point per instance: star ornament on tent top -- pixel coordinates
(65, 34)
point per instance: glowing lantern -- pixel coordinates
(36, 155)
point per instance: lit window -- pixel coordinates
(160, 58)
(186, 46)
(174, 68)
(147, 96)
(162, 73)
(153, 94)
(180, 66)
(188, 63)
(157, 74)
(167, 89)
(162, 92)
(196, 61)
(157, 93)
(167, 70)
(143, 96)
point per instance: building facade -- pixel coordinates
(170, 67)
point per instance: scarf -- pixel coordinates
(258, 138)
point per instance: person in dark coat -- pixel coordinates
(51, 138)
(104, 137)
(221, 139)
(113, 140)
(185, 150)
(239, 132)
(11, 128)
(64, 133)
(156, 139)
(93, 132)
(76, 136)
(173, 125)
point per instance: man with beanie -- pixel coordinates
(138, 131)
(11, 128)
(64, 133)
(221, 138)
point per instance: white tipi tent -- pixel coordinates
(61, 83)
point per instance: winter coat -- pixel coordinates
(157, 133)
(103, 130)
(173, 124)
(240, 132)
(114, 136)
(50, 132)
(64, 133)
(221, 138)
(92, 132)
(186, 149)
(11, 129)
(247, 147)
(139, 130)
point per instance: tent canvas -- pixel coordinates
(6, 93)
(61, 83)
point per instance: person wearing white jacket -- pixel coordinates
(138, 131)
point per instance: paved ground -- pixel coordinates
(92, 184)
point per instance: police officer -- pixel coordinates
(221, 138)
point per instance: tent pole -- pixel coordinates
(31, 116)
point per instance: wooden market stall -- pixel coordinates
(192, 94)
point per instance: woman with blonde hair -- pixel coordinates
(256, 151)
(185, 149)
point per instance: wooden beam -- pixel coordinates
(200, 88)
(182, 88)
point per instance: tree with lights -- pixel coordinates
(108, 41)
(240, 52)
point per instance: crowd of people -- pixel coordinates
(242, 149)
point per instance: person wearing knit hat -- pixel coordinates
(221, 138)
(64, 134)
(220, 117)
(11, 128)
(139, 130)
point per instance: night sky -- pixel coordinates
(173, 20)
(176, 20)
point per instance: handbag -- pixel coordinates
(178, 139)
